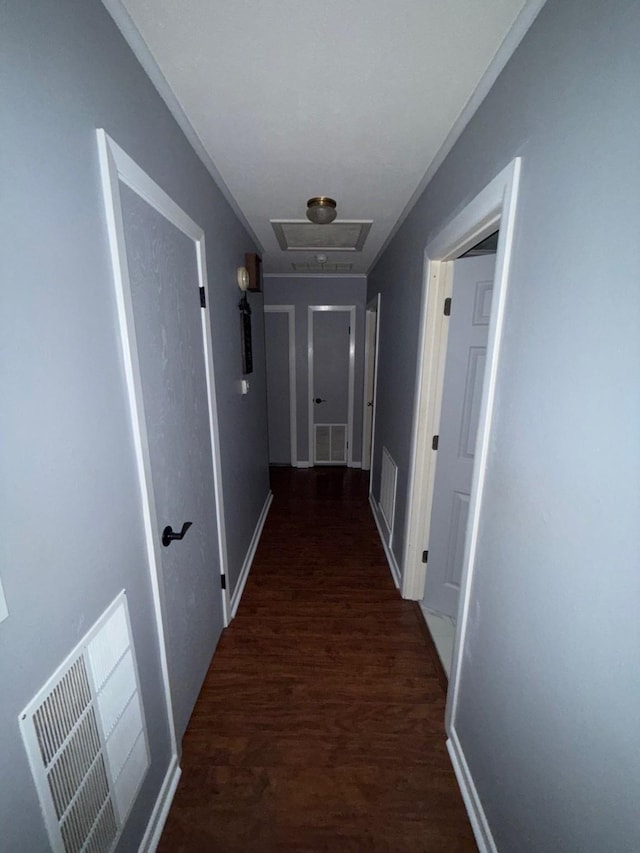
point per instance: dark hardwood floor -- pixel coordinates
(320, 724)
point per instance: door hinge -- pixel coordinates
(434, 442)
(223, 581)
(447, 307)
(203, 298)
(425, 556)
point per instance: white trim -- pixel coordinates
(352, 362)
(290, 310)
(160, 812)
(144, 56)
(380, 524)
(477, 817)
(373, 308)
(517, 32)
(303, 463)
(377, 301)
(356, 464)
(248, 560)
(499, 197)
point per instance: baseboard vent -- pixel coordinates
(388, 480)
(331, 444)
(85, 738)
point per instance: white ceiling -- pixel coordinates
(353, 99)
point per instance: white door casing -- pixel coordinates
(335, 411)
(462, 391)
(290, 312)
(494, 208)
(117, 169)
(372, 326)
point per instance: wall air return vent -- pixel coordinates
(85, 738)
(341, 235)
(388, 481)
(330, 444)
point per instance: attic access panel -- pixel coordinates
(298, 235)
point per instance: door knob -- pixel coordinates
(168, 536)
(370, 404)
(319, 400)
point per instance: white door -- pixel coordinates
(331, 380)
(370, 361)
(464, 374)
(164, 286)
(279, 330)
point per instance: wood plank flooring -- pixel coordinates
(320, 723)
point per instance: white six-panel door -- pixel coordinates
(464, 374)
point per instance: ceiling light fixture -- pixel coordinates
(321, 210)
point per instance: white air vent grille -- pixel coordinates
(299, 235)
(331, 444)
(388, 480)
(84, 733)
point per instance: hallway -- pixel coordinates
(320, 724)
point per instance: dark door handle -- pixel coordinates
(319, 400)
(168, 536)
(370, 404)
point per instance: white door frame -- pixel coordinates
(352, 366)
(290, 310)
(116, 166)
(492, 209)
(373, 310)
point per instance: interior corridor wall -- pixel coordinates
(302, 291)
(549, 688)
(70, 502)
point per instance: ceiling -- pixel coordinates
(354, 99)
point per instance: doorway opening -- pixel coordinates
(493, 210)
(331, 364)
(372, 330)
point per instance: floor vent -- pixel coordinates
(389, 477)
(331, 444)
(85, 737)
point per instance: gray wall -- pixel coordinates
(550, 694)
(70, 506)
(303, 291)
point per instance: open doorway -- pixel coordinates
(372, 325)
(492, 211)
(469, 313)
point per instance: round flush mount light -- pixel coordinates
(321, 210)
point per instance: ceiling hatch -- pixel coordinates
(297, 235)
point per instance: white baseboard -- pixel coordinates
(479, 823)
(382, 527)
(356, 465)
(160, 812)
(302, 464)
(248, 560)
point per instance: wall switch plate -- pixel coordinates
(244, 386)
(3, 605)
